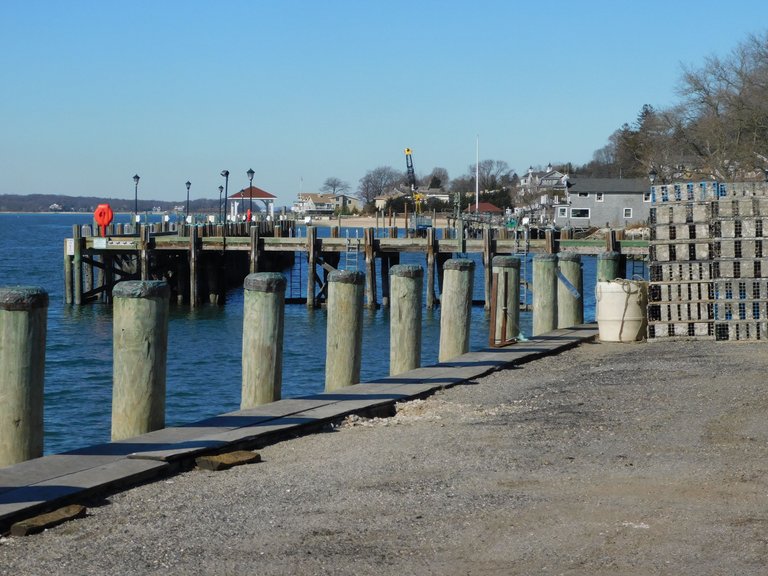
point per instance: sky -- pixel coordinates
(95, 91)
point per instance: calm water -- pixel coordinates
(204, 345)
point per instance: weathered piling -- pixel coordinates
(570, 290)
(455, 308)
(140, 341)
(194, 267)
(344, 340)
(263, 321)
(23, 325)
(544, 293)
(608, 266)
(431, 249)
(77, 265)
(405, 318)
(505, 299)
(311, 260)
(370, 268)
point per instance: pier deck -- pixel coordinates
(43, 484)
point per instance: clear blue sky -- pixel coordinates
(93, 92)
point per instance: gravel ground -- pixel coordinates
(645, 458)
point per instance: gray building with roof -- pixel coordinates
(615, 202)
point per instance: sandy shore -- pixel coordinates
(607, 459)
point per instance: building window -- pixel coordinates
(583, 194)
(627, 212)
(647, 196)
(599, 197)
(579, 212)
(562, 212)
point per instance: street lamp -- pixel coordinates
(221, 190)
(135, 196)
(250, 188)
(225, 173)
(186, 214)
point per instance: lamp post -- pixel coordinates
(225, 173)
(221, 190)
(250, 189)
(135, 197)
(186, 214)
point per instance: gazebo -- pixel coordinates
(254, 193)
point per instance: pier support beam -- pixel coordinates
(344, 339)
(456, 308)
(263, 321)
(570, 290)
(23, 326)
(505, 300)
(544, 293)
(140, 340)
(405, 318)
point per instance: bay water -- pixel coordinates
(204, 345)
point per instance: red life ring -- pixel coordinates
(103, 216)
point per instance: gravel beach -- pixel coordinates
(647, 458)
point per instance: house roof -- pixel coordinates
(253, 192)
(609, 185)
(485, 207)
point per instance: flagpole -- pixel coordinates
(477, 174)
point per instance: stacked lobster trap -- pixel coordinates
(708, 273)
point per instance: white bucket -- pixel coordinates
(622, 310)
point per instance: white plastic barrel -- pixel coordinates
(622, 310)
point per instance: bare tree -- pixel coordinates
(438, 178)
(333, 185)
(377, 182)
(493, 174)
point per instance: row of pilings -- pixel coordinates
(140, 336)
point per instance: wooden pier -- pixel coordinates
(201, 262)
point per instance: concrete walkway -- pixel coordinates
(43, 484)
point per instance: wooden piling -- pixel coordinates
(344, 341)
(370, 268)
(456, 308)
(77, 265)
(254, 250)
(487, 265)
(144, 235)
(68, 286)
(505, 311)
(431, 300)
(263, 320)
(608, 266)
(544, 293)
(140, 341)
(385, 287)
(405, 318)
(194, 267)
(312, 259)
(23, 326)
(570, 290)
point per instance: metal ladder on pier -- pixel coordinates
(352, 252)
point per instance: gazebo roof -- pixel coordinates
(253, 192)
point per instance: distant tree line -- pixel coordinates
(718, 129)
(60, 203)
